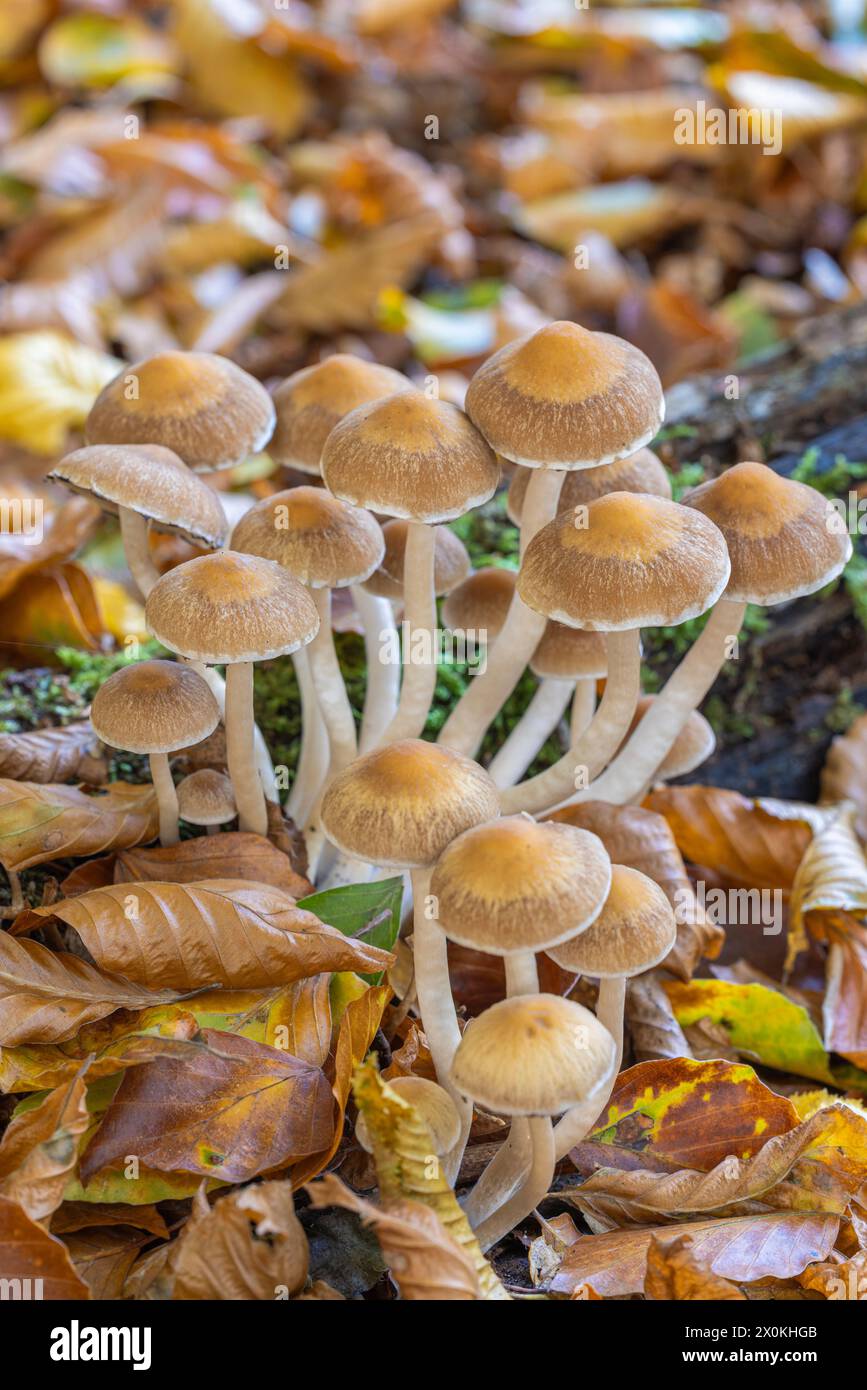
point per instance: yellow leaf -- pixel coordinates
(47, 386)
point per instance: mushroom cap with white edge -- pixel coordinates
(323, 542)
(451, 561)
(150, 480)
(410, 456)
(635, 561)
(638, 472)
(694, 744)
(154, 707)
(635, 930)
(565, 397)
(784, 538)
(206, 797)
(568, 653)
(206, 408)
(401, 805)
(482, 601)
(225, 608)
(517, 884)
(313, 400)
(534, 1054)
(435, 1107)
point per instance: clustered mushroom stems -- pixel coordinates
(330, 689)
(383, 677)
(644, 751)
(583, 707)
(420, 616)
(521, 632)
(534, 1185)
(265, 766)
(535, 726)
(240, 757)
(312, 767)
(167, 797)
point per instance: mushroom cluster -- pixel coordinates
(604, 552)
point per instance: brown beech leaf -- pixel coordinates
(425, 1261)
(64, 531)
(221, 932)
(47, 996)
(72, 1217)
(39, 823)
(51, 608)
(71, 753)
(753, 844)
(844, 776)
(222, 1106)
(248, 1245)
(233, 854)
(776, 1245)
(29, 1253)
(655, 1032)
(39, 1150)
(644, 841)
(674, 1274)
(104, 1255)
(838, 1278)
(109, 1045)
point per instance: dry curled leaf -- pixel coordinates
(71, 753)
(674, 1273)
(40, 823)
(844, 776)
(38, 1260)
(40, 1149)
(248, 1245)
(234, 854)
(653, 1028)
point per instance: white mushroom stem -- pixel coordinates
(593, 749)
(167, 798)
(684, 691)
(134, 532)
(330, 690)
(518, 638)
(533, 1189)
(240, 756)
(420, 629)
(383, 675)
(313, 758)
(535, 726)
(436, 1005)
(583, 705)
(576, 1124)
(217, 686)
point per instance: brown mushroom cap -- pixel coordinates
(534, 1054)
(226, 607)
(154, 707)
(410, 456)
(639, 561)
(693, 745)
(568, 653)
(564, 397)
(324, 542)
(311, 402)
(206, 797)
(403, 803)
(451, 561)
(481, 602)
(150, 480)
(436, 1109)
(784, 538)
(206, 408)
(519, 885)
(635, 930)
(639, 472)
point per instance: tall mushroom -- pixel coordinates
(559, 400)
(785, 540)
(231, 610)
(400, 806)
(421, 459)
(638, 561)
(155, 707)
(536, 1056)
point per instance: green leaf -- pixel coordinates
(370, 911)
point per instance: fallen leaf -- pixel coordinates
(369, 911)
(654, 1030)
(39, 823)
(71, 753)
(47, 385)
(40, 1149)
(38, 1260)
(44, 540)
(72, 1217)
(48, 609)
(104, 1256)
(233, 854)
(674, 1274)
(248, 1245)
(844, 775)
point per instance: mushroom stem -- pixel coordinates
(167, 798)
(383, 677)
(249, 797)
(583, 705)
(600, 740)
(533, 1189)
(436, 1005)
(330, 690)
(684, 691)
(535, 726)
(312, 766)
(577, 1122)
(522, 975)
(263, 758)
(134, 532)
(610, 1008)
(518, 638)
(420, 617)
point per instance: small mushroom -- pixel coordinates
(399, 806)
(206, 798)
(231, 610)
(639, 472)
(451, 562)
(536, 1056)
(310, 402)
(435, 1107)
(480, 603)
(156, 707)
(694, 744)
